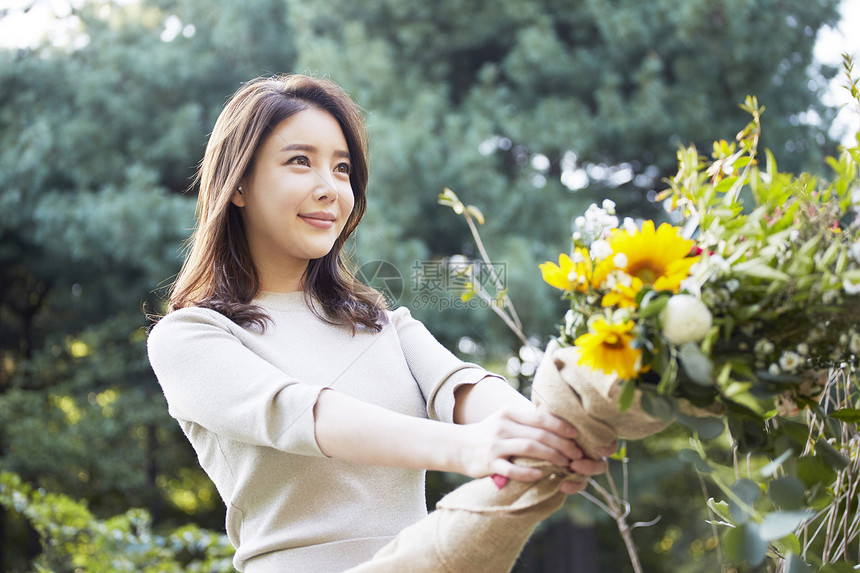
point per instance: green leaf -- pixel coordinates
(788, 544)
(755, 546)
(628, 393)
(706, 428)
(721, 508)
(795, 564)
(748, 492)
(669, 379)
(759, 268)
(725, 184)
(691, 456)
(769, 469)
(830, 455)
(840, 567)
(733, 544)
(850, 415)
(809, 248)
(660, 407)
(787, 492)
(822, 261)
(698, 367)
(781, 523)
(653, 306)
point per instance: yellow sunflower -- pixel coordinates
(579, 274)
(607, 347)
(651, 257)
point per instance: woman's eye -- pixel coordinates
(300, 160)
(343, 168)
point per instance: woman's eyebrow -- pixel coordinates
(311, 149)
(299, 147)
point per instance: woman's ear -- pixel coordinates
(238, 197)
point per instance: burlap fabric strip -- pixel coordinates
(479, 528)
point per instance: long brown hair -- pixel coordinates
(218, 272)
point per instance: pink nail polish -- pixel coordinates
(499, 480)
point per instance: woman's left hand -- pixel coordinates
(586, 467)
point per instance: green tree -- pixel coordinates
(532, 110)
(98, 142)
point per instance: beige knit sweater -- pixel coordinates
(245, 401)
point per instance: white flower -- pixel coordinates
(803, 349)
(854, 345)
(790, 361)
(817, 333)
(600, 249)
(764, 347)
(854, 251)
(630, 225)
(595, 223)
(850, 287)
(568, 319)
(573, 277)
(619, 260)
(720, 263)
(685, 319)
(733, 284)
(617, 277)
(773, 369)
(691, 286)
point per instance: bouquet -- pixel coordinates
(742, 311)
(737, 309)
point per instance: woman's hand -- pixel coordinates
(505, 424)
(520, 431)
(586, 467)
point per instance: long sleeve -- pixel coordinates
(436, 369)
(212, 379)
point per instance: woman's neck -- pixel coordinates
(282, 278)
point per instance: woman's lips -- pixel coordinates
(320, 221)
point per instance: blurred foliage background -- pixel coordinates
(529, 109)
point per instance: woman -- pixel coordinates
(313, 408)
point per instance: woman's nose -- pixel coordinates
(325, 189)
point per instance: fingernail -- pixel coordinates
(499, 480)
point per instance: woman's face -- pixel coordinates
(298, 197)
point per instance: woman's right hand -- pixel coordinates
(520, 431)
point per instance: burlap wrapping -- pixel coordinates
(479, 528)
(588, 399)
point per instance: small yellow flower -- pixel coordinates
(623, 296)
(577, 274)
(607, 348)
(653, 257)
(557, 274)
